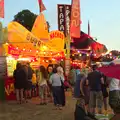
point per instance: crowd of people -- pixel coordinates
(92, 90)
(44, 82)
(90, 87)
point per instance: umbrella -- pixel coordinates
(112, 71)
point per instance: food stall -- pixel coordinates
(23, 46)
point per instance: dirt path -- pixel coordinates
(32, 111)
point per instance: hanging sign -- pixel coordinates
(64, 13)
(56, 40)
(75, 19)
(67, 16)
(61, 18)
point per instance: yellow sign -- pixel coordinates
(56, 40)
(40, 28)
(17, 33)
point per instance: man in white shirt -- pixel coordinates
(114, 95)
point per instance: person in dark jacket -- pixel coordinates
(20, 78)
(29, 83)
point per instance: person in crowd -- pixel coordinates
(95, 79)
(114, 97)
(72, 76)
(29, 85)
(20, 77)
(34, 83)
(25, 69)
(56, 80)
(77, 92)
(42, 77)
(50, 72)
(105, 94)
(80, 112)
(85, 91)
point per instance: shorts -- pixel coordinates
(43, 91)
(114, 100)
(33, 86)
(96, 96)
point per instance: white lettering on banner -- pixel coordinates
(61, 21)
(67, 14)
(61, 15)
(62, 28)
(61, 8)
(61, 18)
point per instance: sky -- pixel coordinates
(103, 15)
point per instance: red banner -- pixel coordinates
(41, 5)
(75, 19)
(9, 89)
(1, 8)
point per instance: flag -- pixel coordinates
(75, 19)
(88, 28)
(41, 5)
(1, 8)
(40, 28)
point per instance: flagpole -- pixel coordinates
(88, 28)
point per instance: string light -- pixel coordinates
(47, 61)
(87, 54)
(6, 43)
(110, 54)
(44, 52)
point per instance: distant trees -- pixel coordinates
(27, 19)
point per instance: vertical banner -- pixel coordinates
(1, 8)
(61, 19)
(67, 16)
(64, 15)
(75, 19)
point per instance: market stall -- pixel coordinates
(24, 46)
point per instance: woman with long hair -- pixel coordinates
(42, 77)
(49, 90)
